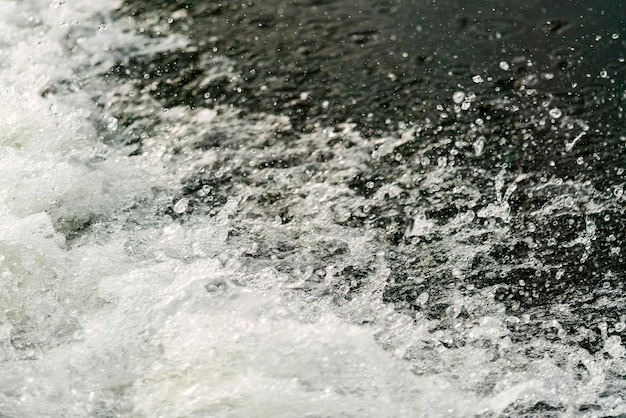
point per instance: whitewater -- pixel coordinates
(122, 296)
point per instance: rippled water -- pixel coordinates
(312, 209)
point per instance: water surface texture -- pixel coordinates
(312, 208)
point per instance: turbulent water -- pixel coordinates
(312, 208)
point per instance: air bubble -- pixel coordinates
(504, 65)
(477, 79)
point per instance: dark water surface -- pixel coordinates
(395, 60)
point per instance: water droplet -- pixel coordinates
(613, 346)
(479, 144)
(555, 113)
(422, 299)
(453, 311)
(182, 205)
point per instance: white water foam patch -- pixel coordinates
(54, 179)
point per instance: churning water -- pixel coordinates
(311, 209)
